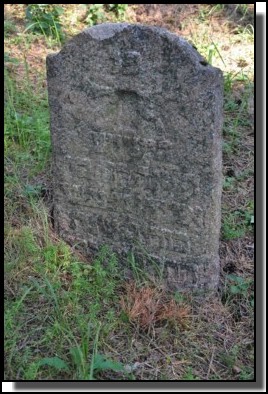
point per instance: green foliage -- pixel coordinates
(101, 364)
(95, 14)
(31, 371)
(9, 27)
(189, 375)
(228, 182)
(8, 59)
(179, 297)
(217, 8)
(227, 148)
(246, 31)
(237, 223)
(242, 9)
(54, 362)
(91, 290)
(239, 295)
(26, 122)
(230, 228)
(230, 358)
(118, 9)
(86, 369)
(143, 267)
(238, 285)
(228, 82)
(27, 241)
(135, 268)
(45, 19)
(212, 51)
(246, 374)
(33, 191)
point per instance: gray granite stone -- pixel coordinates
(136, 119)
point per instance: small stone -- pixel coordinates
(236, 369)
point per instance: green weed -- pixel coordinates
(45, 19)
(189, 375)
(230, 229)
(238, 287)
(85, 370)
(236, 223)
(95, 14)
(245, 175)
(228, 183)
(9, 27)
(31, 371)
(179, 297)
(216, 9)
(26, 124)
(242, 9)
(118, 9)
(246, 374)
(238, 295)
(54, 362)
(8, 59)
(71, 294)
(98, 13)
(230, 358)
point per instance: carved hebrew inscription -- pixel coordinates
(136, 122)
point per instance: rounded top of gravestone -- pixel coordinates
(106, 30)
(140, 33)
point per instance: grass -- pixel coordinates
(73, 301)
(68, 317)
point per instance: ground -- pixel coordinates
(60, 321)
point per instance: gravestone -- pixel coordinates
(136, 118)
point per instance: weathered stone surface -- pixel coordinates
(136, 118)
